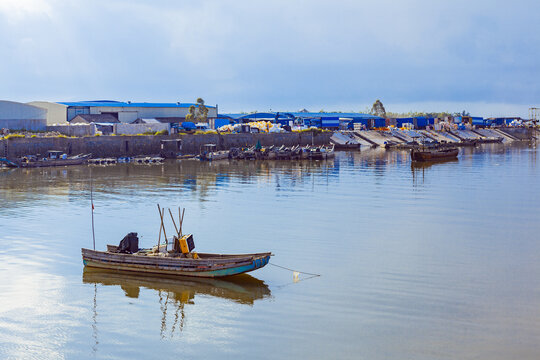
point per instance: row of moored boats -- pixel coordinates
(268, 153)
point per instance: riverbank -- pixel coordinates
(121, 146)
(118, 146)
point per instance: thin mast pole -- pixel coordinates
(92, 203)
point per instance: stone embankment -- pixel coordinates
(118, 146)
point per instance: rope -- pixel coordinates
(301, 272)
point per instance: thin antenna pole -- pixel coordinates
(92, 203)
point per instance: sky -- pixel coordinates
(245, 55)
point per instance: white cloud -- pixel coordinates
(277, 53)
(19, 10)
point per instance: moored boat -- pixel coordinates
(53, 158)
(427, 154)
(179, 260)
(210, 153)
(321, 152)
(205, 265)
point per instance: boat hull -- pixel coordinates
(56, 162)
(434, 155)
(209, 266)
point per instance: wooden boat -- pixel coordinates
(180, 260)
(54, 158)
(427, 154)
(321, 152)
(210, 154)
(207, 265)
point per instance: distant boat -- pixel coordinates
(435, 154)
(210, 153)
(321, 152)
(53, 158)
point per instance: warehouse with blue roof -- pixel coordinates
(329, 120)
(124, 112)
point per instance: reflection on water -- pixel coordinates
(173, 293)
(243, 289)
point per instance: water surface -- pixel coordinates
(419, 262)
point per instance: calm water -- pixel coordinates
(434, 262)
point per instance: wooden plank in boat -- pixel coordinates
(159, 259)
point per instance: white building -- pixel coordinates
(20, 116)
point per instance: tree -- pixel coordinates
(378, 109)
(191, 115)
(202, 111)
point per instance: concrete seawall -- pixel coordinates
(116, 146)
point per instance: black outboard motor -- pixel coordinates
(129, 244)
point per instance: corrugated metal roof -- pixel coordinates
(334, 114)
(97, 118)
(110, 103)
(285, 114)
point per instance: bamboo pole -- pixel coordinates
(164, 233)
(161, 214)
(182, 221)
(174, 223)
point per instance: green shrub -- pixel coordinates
(161, 132)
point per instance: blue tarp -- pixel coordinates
(219, 122)
(188, 125)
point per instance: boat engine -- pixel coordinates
(129, 244)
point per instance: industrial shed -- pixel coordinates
(56, 113)
(124, 112)
(324, 120)
(94, 118)
(20, 116)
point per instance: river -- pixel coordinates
(439, 261)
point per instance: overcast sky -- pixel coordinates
(244, 55)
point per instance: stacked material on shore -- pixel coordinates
(262, 126)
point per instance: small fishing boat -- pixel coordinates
(321, 152)
(211, 154)
(205, 265)
(434, 154)
(179, 260)
(53, 158)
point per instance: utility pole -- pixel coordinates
(533, 114)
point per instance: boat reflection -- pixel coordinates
(416, 165)
(174, 293)
(419, 168)
(242, 289)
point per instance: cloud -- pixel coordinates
(275, 54)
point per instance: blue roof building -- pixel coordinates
(125, 112)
